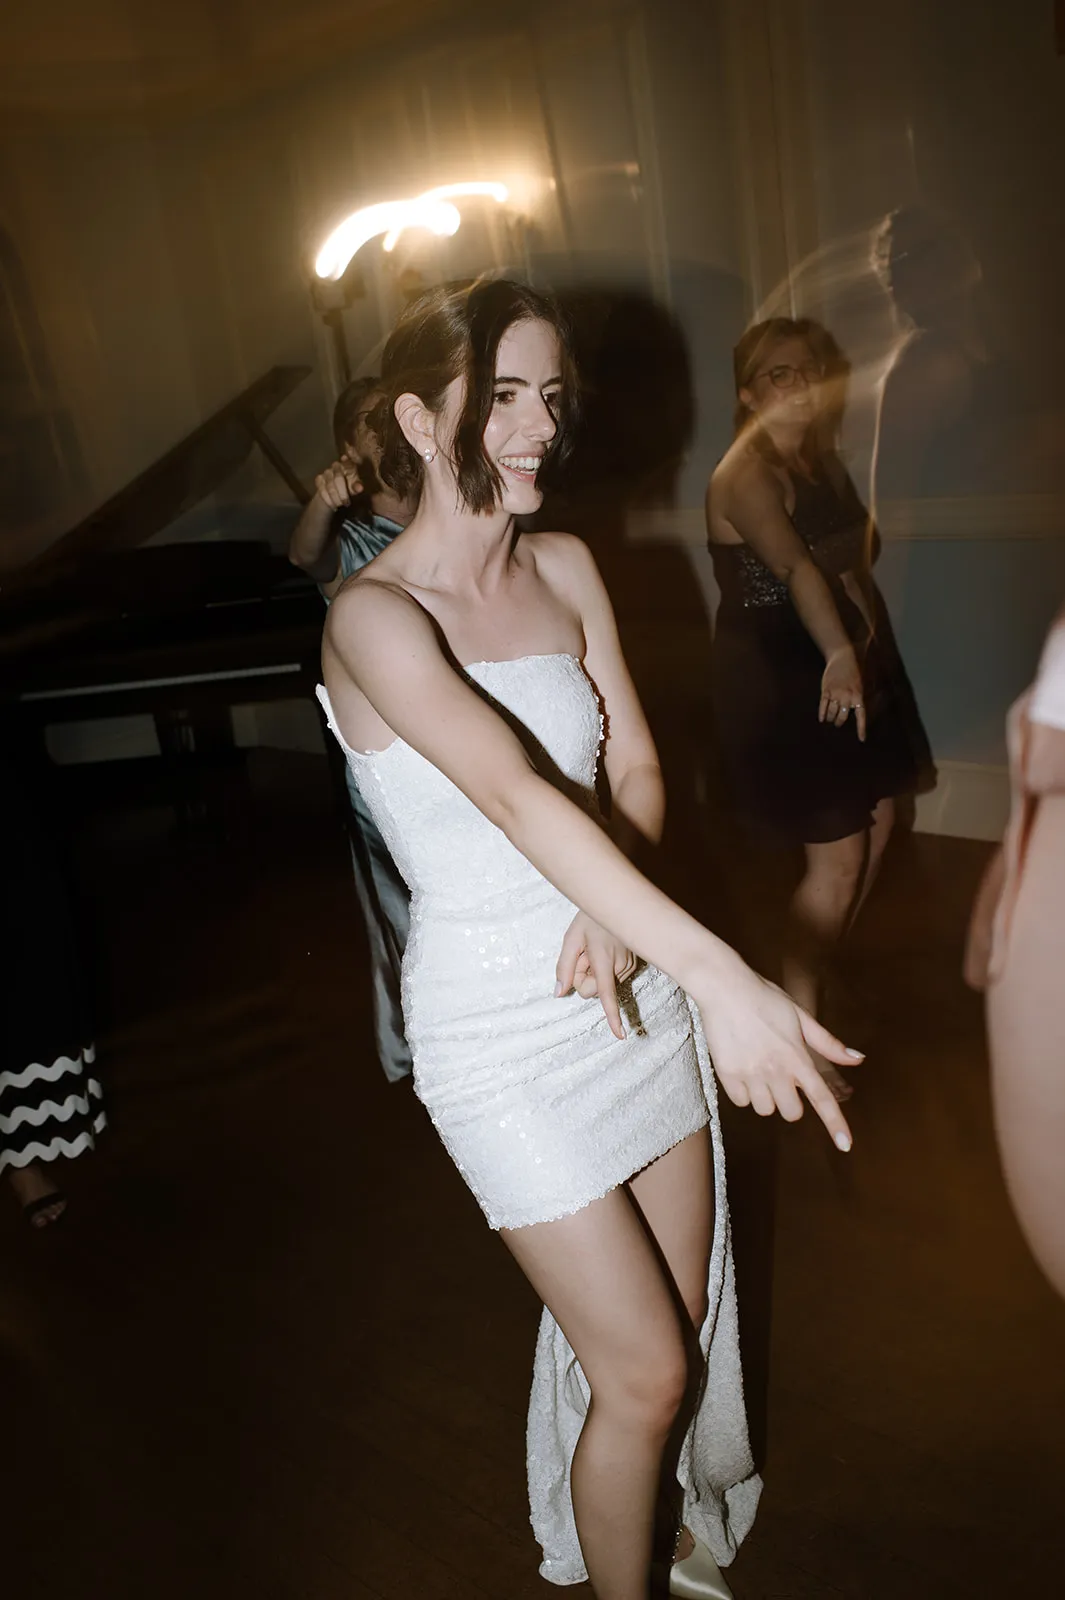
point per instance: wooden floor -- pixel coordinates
(274, 1352)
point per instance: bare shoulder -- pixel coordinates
(743, 483)
(929, 374)
(366, 592)
(742, 471)
(365, 605)
(562, 558)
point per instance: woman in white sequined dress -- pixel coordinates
(471, 673)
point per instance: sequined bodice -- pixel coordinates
(454, 860)
(830, 522)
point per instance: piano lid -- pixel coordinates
(186, 474)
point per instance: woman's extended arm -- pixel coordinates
(380, 647)
(755, 509)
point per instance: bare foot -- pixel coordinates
(32, 1185)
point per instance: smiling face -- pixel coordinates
(785, 388)
(523, 419)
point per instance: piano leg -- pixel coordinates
(194, 745)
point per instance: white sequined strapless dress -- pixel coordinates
(541, 1108)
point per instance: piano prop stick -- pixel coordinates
(99, 626)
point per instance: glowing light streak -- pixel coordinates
(432, 210)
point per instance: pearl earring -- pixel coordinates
(428, 455)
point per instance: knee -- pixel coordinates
(831, 882)
(646, 1395)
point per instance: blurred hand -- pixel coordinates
(1044, 759)
(760, 1042)
(339, 484)
(593, 963)
(982, 921)
(841, 691)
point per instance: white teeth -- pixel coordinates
(521, 463)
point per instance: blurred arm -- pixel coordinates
(313, 546)
(755, 509)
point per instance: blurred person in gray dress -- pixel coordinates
(350, 519)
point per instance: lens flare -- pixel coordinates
(432, 210)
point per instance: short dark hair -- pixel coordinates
(454, 332)
(350, 403)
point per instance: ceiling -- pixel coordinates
(72, 57)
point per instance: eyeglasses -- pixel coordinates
(784, 377)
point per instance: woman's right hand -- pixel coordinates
(339, 484)
(841, 690)
(760, 1042)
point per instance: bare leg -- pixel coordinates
(675, 1199)
(879, 833)
(820, 911)
(604, 1280)
(1026, 1028)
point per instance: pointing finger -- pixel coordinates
(608, 996)
(825, 1104)
(825, 1043)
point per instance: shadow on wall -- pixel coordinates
(658, 382)
(638, 400)
(637, 427)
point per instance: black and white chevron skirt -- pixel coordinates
(50, 1100)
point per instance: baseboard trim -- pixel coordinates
(970, 801)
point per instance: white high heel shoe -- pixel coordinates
(698, 1576)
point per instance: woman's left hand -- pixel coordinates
(761, 1045)
(593, 963)
(841, 691)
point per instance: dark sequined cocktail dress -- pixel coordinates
(792, 777)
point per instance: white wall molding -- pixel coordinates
(1017, 516)
(970, 801)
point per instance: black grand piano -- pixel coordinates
(103, 625)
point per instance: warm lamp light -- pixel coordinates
(432, 210)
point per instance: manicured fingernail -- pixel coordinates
(558, 989)
(855, 1055)
(843, 1141)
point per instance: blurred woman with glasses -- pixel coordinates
(817, 723)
